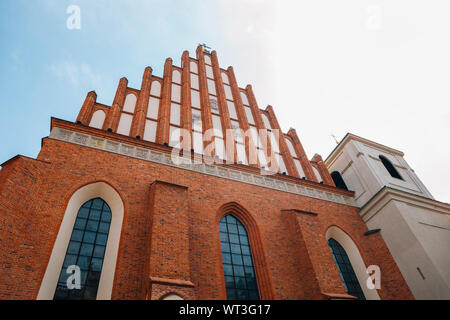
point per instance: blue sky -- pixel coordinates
(48, 69)
(327, 67)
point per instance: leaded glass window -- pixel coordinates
(345, 268)
(240, 278)
(86, 250)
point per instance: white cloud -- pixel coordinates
(326, 72)
(76, 73)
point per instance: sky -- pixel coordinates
(378, 69)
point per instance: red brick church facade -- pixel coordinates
(164, 237)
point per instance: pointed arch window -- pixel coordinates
(390, 168)
(346, 271)
(86, 250)
(338, 180)
(238, 267)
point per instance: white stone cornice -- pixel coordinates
(382, 198)
(112, 146)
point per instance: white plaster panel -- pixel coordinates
(232, 110)
(299, 168)
(130, 103)
(125, 124)
(211, 87)
(150, 130)
(197, 120)
(176, 93)
(266, 121)
(194, 81)
(156, 89)
(249, 114)
(153, 108)
(207, 59)
(176, 76)
(195, 99)
(228, 93)
(98, 118)
(225, 78)
(193, 67)
(175, 114)
(209, 72)
(291, 148)
(244, 98)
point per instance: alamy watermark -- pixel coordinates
(374, 18)
(374, 279)
(73, 22)
(216, 149)
(74, 280)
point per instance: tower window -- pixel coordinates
(86, 250)
(240, 278)
(390, 168)
(346, 271)
(338, 181)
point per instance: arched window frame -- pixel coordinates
(234, 236)
(355, 258)
(171, 296)
(390, 167)
(338, 180)
(79, 196)
(346, 271)
(96, 214)
(266, 291)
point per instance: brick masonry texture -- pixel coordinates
(169, 241)
(170, 229)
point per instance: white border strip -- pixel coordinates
(213, 170)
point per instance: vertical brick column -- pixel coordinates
(249, 143)
(163, 130)
(138, 124)
(223, 107)
(284, 150)
(169, 267)
(307, 281)
(113, 117)
(319, 260)
(186, 118)
(258, 119)
(186, 112)
(204, 95)
(326, 177)
(86, 110)
(306, 165)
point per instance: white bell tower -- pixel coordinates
(393, 201)
(367, 167)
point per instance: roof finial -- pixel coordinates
(205, 48)
(334, 137)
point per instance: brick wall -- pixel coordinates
(286, 231)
